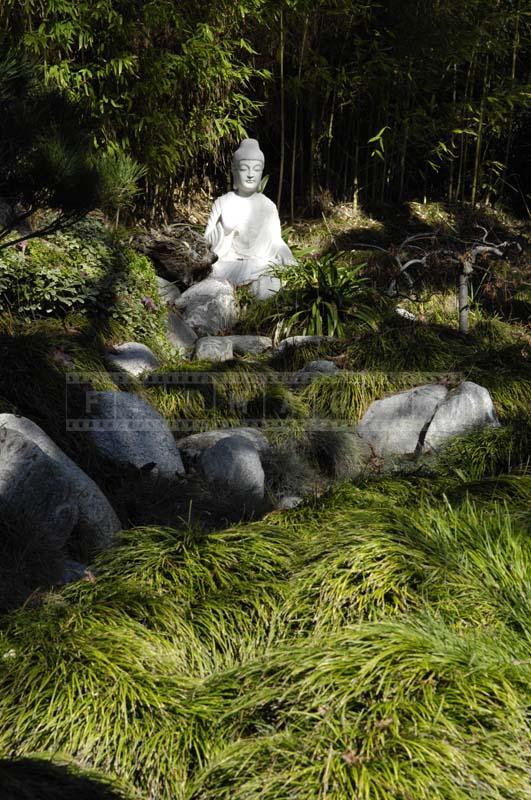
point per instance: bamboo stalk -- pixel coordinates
(296, 120)
(479, 139)
(282, 112)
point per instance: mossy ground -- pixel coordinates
(373, 644)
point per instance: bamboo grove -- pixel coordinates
(352, 99)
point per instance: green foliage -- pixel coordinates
(347, 395)
(47, 156)
(357, 644)
(167, 83)
(119, 181)
(489, 452)
(328, 296)
(82, 270)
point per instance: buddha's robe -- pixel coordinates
(245, 234)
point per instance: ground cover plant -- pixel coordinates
(373, 643)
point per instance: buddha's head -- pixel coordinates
(247, 167)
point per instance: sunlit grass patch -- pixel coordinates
(379, 710)
(489, 452)
(347, 394)
(337, 640)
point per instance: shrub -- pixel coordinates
(326, 294)
(83, 270)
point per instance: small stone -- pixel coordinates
(303, 341)
(405, 314)
(289, 502)
(321, 366)
(133, 358)
(214, 348)
(250, 344)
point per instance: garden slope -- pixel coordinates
(355, 649)
(374, 644)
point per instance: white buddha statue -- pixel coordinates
(244, 228)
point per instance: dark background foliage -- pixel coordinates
(351, 99)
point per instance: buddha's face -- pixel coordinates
(247, 176)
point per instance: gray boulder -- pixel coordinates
(253, 345)
(34, 490)
(131, 433)
(38, 514)
(393, 426)
(180, 334)
(214, 348)
(133, 358)
(209, 307)
(466, 408)
(168, 291)
(192, 446)
(233, 466)
(96, 521)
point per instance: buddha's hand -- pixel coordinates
(285, 255)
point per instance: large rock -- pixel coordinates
(180, 334)
(233, 466)
(466, 408)
(133, 434)
(393, 426)
(96, 521)
(133, 358)
(192, 446)
(214, 348)
(209, 307)
(253, 345)
(39, 514)
(179, 249)
(35, 493)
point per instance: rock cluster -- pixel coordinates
(421, 420)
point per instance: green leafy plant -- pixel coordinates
(326, 295)
(83, 269)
